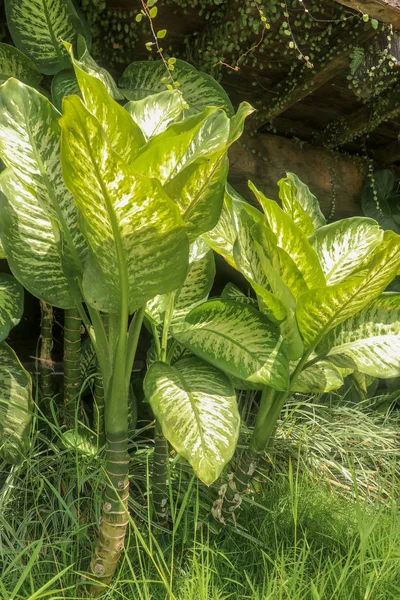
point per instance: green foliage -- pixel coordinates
(381, 200)
(38, 28)
(198, 89)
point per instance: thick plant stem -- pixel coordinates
(72, 364)
(159, 481)
(46, 346)
(98, 410)
(115, 518)
(230, 494)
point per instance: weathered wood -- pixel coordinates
(330, 176)
(387, 11)
(362, 121)
(305, 81)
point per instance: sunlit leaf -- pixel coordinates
(138, 244)
(238, 340)
(15, 407)
(195, 404)
(343, 245)
(370, 338)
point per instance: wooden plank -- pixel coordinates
(386, 11)
(362, 121)
(307, 81)
(266, 158)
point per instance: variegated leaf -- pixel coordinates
(14, 63)
(11, 304)
(38, 27)
(370, 338)
(199, 191)
(195, 290)
(248, 262)
(321, 310)
(300, 204)
(134, 231)
(199, 90)
(176, 148)
(222, 237)
(63, 84)
(284, 266)
(232, 292)
(343, 245)
(196, 407)
(16, 406)
(30, 146)
(154, 113)
(90, 66)
(28, 237)
(123, 133)
(318, 378)
(238, 340)
(292, 240)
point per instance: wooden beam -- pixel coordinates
(304, 81)
(265, 158)
(386, 11)
(362, 121)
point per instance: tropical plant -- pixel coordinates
(15, 383)
(320, 309)
(106, 229)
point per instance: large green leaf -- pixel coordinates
(248, 262)
(166, 154)
(30, 146)
(223, 236)
(63, 84)
(195, 290)
(318, 378)
(15, 406)
(29, 241)
(300, 204)
(381, 200)
(237, 339)
(154, 113)
(232, 292)
(292, 240)
(196, 407)
(370, 338)
(197, 286)
(199, 192)
(199, 90)
(90, 66)
(11, 304)
(284, 266)
(321, 310)
(14, 63)
(38, 27)
(343, 245)
(123, 133)
(134, 231)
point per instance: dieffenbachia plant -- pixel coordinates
(16, 404)
(107, 228)
(321, 308)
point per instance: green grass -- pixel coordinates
(322, 523)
